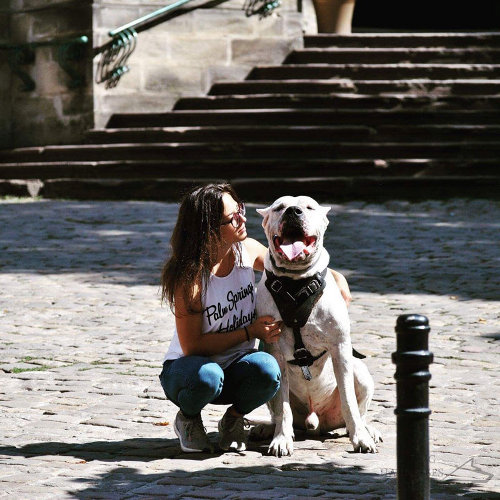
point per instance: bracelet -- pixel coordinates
(248, 335)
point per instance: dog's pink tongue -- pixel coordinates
(293, 249)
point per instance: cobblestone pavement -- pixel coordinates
(83, 335)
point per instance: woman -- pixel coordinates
(210, 285)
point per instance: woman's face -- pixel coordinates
(228, 232)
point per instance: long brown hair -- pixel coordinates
(194, 242)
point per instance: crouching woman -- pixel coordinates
(209, 283)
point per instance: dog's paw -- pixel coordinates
(362, 441)
(281, 446)
(261, 432)
(375, 434)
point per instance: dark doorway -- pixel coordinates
(427, 15)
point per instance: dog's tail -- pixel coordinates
(312, 421)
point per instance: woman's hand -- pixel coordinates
(266, 328)
(344, 287)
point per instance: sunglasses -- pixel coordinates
(236, 219)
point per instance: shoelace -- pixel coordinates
(238, 424)
(196, 426)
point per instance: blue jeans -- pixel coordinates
(192, 382)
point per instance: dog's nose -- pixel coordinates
(297, 211)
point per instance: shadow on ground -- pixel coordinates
(277, 479)
(445, 248)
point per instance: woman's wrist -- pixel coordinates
(246, 333)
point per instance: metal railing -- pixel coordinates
(70, 50)
(112, 64)
(114, 55)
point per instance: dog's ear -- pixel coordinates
(265, 213)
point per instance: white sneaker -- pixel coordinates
(232, 431)
(191, 433)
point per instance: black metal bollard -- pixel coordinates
(412, 360)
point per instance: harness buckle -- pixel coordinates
(313, 286)
(310, 289)
(276, 286)
(303, 357)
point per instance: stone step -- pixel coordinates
(262, 189)
(269, 150)
(338, 101)
(225, 168)
(477, 55)
(375, 71)
(380, 40)
(302, 117)
(412, 86)
(409, 133)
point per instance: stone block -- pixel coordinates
(21, 28)
(4, 27)
(48, 75)
(261, 51)
(272, 25)
(33, 4)
(109, 103)
(41, 121)
(14, 187)
(293, 26)
(77, 103)
(180, 24)
(6, 77)
(218, 23)
(5, 127)
(62, 22)
(16, 4)
(111, 17)
(150, 46)
(198, 52)
(173, 79)
(309, 18)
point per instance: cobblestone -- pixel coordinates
(83, 335)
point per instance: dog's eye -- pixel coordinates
(309, 208)
(279, 208)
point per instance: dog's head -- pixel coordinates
(294, 228)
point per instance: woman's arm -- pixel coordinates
(257, 252)
(342, 284)
(194, 342)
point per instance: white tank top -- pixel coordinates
(228, 304)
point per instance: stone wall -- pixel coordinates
(52, 113)
(181, 57)
(186, 55)
(5, 83)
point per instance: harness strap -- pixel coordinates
(295, 304)
(295, 300)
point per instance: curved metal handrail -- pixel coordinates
(115, 54)
(142, 23)
(112, 64)
(69, 50)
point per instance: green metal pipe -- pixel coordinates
(148, 17)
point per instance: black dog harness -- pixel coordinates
(295, 300)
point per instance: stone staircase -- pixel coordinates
(360, 116)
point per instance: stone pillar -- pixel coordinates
(52, 113)
(5, 84)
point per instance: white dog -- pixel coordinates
(331, 389)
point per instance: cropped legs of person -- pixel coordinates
(334, 16)
(191, 382)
